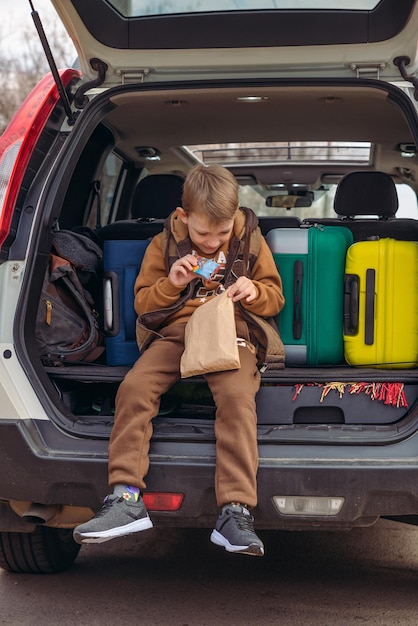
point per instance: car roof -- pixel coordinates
(322, 38)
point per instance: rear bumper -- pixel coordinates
(39, 463)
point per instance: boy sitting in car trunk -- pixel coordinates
(209, 224)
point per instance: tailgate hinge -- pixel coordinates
(369, 70)
(133, 76)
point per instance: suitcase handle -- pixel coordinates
(369, 316)
(297, 298)
(111, 318)
(351, 304)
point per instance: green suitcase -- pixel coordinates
(311, 262)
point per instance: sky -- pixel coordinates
(15, 16)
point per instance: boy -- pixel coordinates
(210, 224)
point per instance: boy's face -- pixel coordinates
(205, 235)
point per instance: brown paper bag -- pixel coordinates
(211, 339)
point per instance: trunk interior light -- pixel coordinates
(308, 506)
(163, 501)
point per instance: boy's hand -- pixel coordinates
(181, 272)
(243, 288)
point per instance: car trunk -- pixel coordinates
(322, 403)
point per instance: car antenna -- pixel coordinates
(71, 116)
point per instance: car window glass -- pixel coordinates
(108, 186)
(254, 196)
(138, 8)
(408, 206)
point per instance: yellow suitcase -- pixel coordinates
(381, 304)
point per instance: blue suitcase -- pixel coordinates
(122, 261)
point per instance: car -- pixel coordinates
(313, 107)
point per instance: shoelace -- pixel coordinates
(107, 503)
(244, 521)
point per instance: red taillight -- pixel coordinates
(19, 139)
(163, 501)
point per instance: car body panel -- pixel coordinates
(369, 484)
(275, 42)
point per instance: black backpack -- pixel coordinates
(67, 323)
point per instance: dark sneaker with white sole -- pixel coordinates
(234, 530)
(116, 518)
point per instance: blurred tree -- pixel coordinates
(20, 72)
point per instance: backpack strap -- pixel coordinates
(171, 249)
(243, 252)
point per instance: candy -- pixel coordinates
(205, 267)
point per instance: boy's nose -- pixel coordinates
(213, 243)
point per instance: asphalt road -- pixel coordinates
(178, 578)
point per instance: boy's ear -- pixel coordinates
(182, 214)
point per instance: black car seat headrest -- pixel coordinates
(366, 193)
(156, 196)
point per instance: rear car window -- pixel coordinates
(138, 9)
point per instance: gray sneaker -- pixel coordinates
(234, 530)
(116, 518)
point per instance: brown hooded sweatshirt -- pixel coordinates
(157, 300)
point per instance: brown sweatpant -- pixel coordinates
(138, 401)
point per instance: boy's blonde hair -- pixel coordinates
(212, 190)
